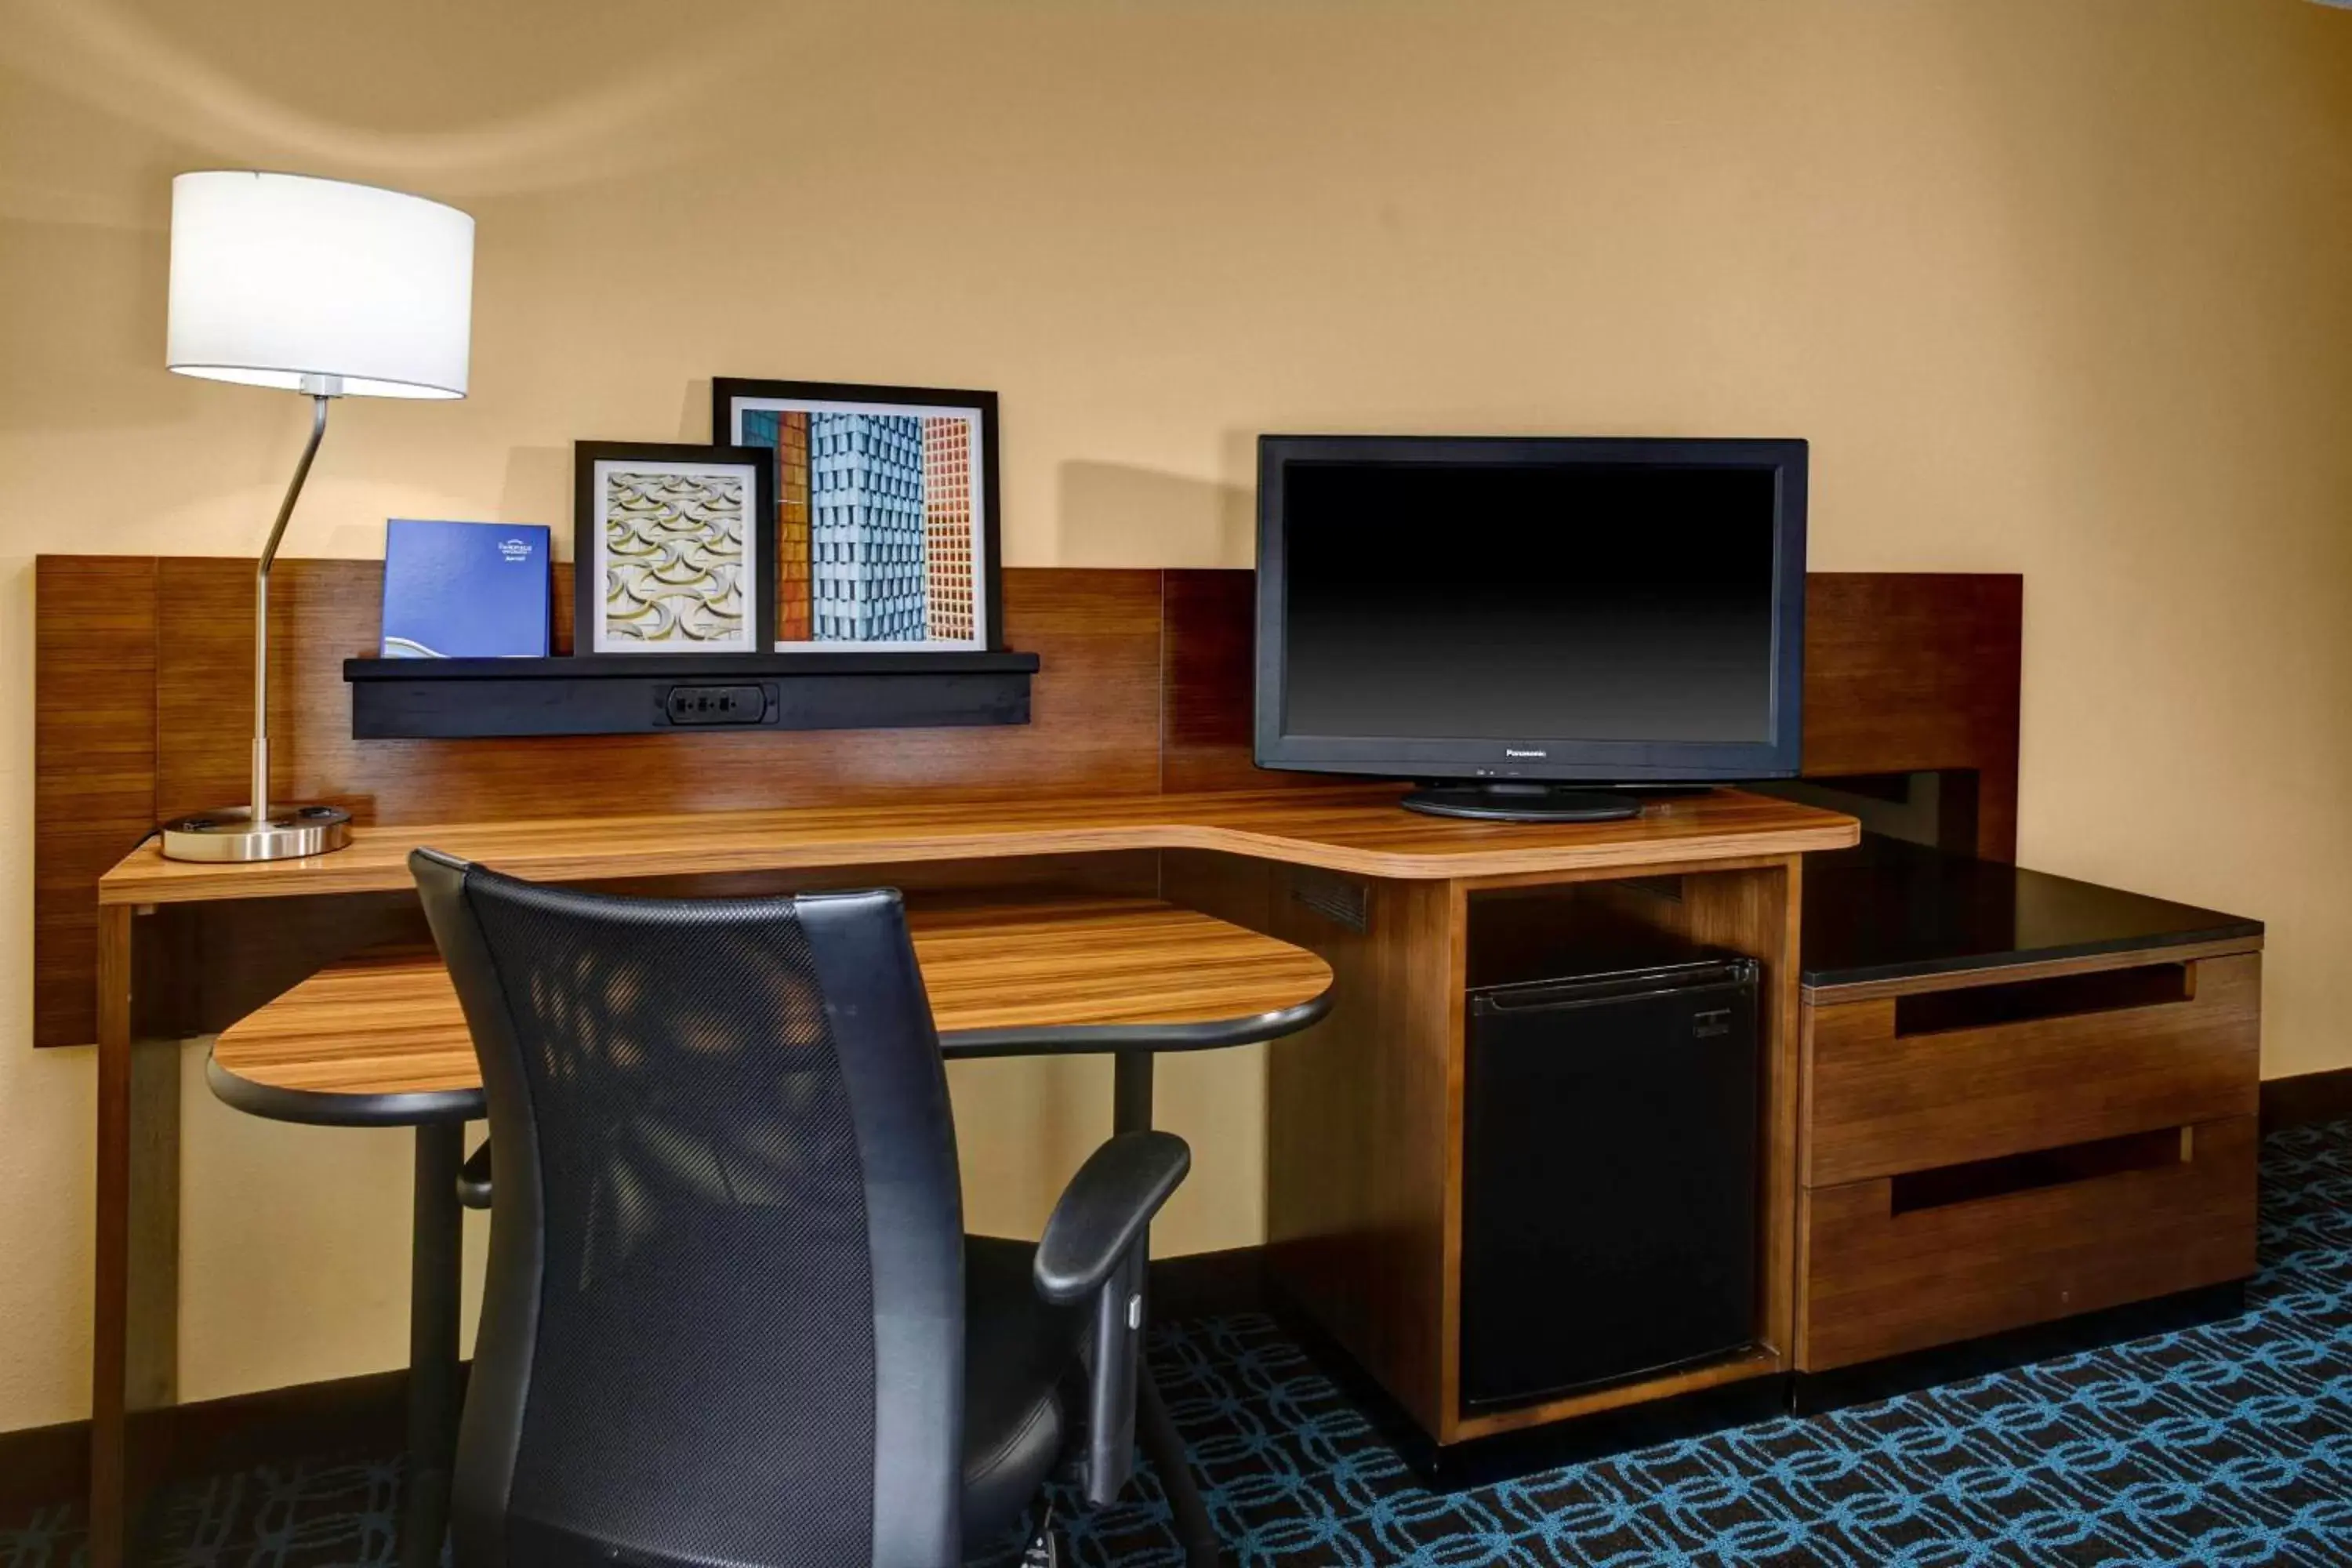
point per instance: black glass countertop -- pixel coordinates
(1890, 910)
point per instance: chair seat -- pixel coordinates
(1017, 1353)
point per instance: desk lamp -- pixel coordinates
(334, 291)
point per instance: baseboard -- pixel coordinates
(1817, 1392)
(2306, 1097)
(45, 1464)
(1580, 1440)
(1209, 1284)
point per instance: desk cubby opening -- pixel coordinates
(1515, 931)
(1744, 910)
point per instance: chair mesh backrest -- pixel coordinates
(702, 1377)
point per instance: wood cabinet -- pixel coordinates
(1364, 1179)
(1988, 1148)
(1992, 1098)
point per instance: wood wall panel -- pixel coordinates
(1095, 716)
(1914, 672)
(1905, 672)
(1209, 675)
(93, 768)
(144, 709)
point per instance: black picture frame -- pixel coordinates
(587, 596)
(987, 567)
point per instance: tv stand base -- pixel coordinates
(1513, 801)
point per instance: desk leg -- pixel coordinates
(435, 1277)
(1130, 1092)
(135, 1327)
(1131, 1112)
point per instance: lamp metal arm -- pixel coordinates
(260, 786)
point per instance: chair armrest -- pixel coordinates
(474, 1179)
(1105, 1211)
(1094, 1246)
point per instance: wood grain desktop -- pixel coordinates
(388, 1023)
(1360, 830)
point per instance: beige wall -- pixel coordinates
(2053, 286)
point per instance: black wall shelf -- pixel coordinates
(625, 694)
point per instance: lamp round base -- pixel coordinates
(230, 834)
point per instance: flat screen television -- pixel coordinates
(1497, 618)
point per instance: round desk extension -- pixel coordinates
(380, 1041)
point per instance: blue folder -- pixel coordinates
(467, 590)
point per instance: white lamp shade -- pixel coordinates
(318, 285)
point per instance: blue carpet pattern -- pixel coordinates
(2227, 1443)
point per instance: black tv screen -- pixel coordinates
(1539, 609)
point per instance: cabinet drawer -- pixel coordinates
(1904, 1083)
(1877, 1276)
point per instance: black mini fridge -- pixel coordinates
(1610, 1159)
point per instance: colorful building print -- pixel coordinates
(947, 529)
(785, 431)
(865, 495)
(878, 533)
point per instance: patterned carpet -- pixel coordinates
(2228, 1444)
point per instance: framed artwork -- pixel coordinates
(884, 527)
(670, 551)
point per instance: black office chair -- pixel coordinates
(731, 1315)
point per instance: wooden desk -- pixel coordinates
(1357, 830)
(1365, 1107)
(1146, 685)
(379, 1039)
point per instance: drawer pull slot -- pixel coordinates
(2059, 997)
(1947, 1185)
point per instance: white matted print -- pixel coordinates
(881, 525)
(676, 558)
